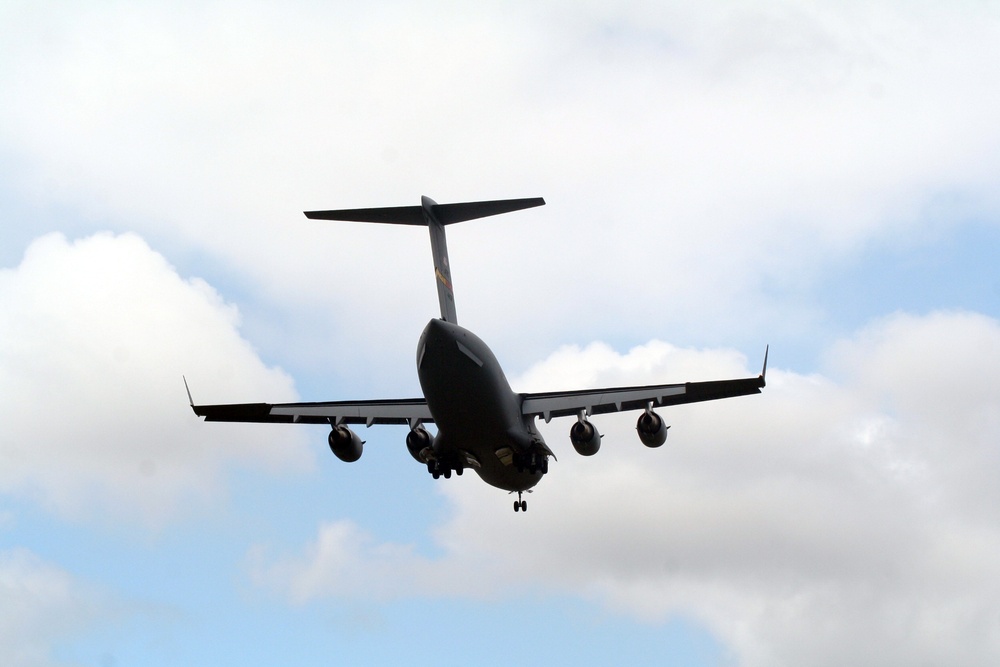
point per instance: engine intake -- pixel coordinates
(652, 430)
(418, 442)
(345, 444)
(585, 438)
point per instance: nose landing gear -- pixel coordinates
(520, 505)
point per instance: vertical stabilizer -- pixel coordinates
(442, 268)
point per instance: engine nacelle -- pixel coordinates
(652, 430)
(585, 438)
(418, 442)
(345, 443)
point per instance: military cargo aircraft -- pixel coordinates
(481, 423)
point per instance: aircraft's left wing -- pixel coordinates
(619, 399)
(411, 411)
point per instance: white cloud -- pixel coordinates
(345, 561)
(96, 336)
(826, 522)
(42, 605)
(718, 148)
(718, 157)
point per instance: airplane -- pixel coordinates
(482, 424)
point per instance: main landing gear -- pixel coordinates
(519, 504)
(437, 469)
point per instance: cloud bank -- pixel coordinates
(736, 151)
(848, 518)
(97, 334)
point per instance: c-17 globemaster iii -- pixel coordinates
(481, 422)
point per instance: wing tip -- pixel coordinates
(188, 390)
(763, 371)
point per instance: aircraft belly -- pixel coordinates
(508, 478)
(497, 471)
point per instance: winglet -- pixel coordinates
(763, 371)
(188, 389)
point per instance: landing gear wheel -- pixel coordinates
(519, 504)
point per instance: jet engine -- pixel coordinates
(585, 438)
(652, 430)
(345, 443)
(418, 440)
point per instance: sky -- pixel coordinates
(821, 178)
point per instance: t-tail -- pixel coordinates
(434, 216)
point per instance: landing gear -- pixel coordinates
(437, 469)
(519, 504)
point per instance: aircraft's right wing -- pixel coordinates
(620, 399)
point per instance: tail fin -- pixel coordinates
(434, 216)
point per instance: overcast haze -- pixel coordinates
(822, 178)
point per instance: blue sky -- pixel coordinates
(718, 178)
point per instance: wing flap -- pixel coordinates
(598, 401)
(621, 399)
(407, 411)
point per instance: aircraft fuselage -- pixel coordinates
(478, 415)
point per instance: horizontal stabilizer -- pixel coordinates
(451, 213)
(446, 214)
(397, 215)
(434, 216)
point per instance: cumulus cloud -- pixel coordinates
(848, 518)
(96, 336)
(346, 561)
(737, 146)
